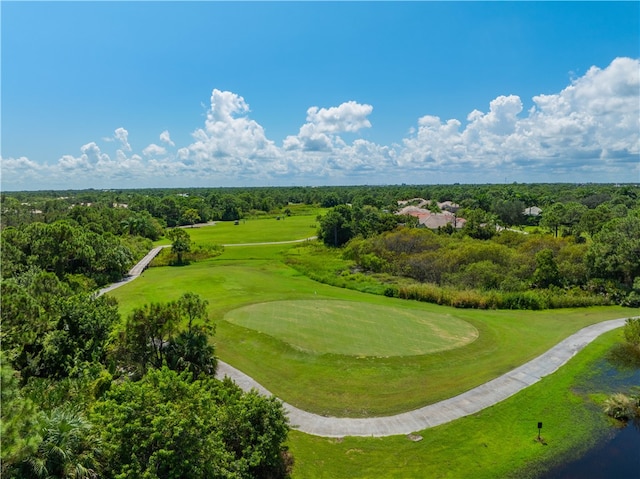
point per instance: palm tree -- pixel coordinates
(69, 449)
(191, 351)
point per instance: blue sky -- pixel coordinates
(159, 94)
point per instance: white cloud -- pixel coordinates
(595, 119)
(349, 116)
(590, 130)
(154, 150)
(319, 133)
(23, 173)
(122, 135)
(323, 124)
(229, 138)
(166, 138)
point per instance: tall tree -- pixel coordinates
(546, 273)
(168, 425)
(552, 217)
(181, 242)
(18, 422)
(155, 335)
(190, 216)
(614, 252)
(336, 226)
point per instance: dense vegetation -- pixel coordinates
(74, 372)
(576, 256)
(86, 394)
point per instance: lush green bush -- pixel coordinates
(198, 252)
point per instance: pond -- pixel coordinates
(617, 456)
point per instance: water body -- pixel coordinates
(618, 455)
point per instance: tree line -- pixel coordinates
(583, 251)
(175, 207)
(86, 393)
(86, 396)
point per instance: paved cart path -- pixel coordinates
(136, 271)
(143, 264)
(467, 403)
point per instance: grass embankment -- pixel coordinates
(499, 442)
(342, 384)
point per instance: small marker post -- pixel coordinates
(539, 428)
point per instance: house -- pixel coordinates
(449, 206)
(532, 211)
(433, 221)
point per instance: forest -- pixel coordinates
(85, 390)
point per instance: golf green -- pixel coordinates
(353, 328)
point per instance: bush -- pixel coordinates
(524, 300)
(621, 407)
(391, 291)
(632, 332)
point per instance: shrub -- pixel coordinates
(621, 407)
(632, 332)
(523, 300)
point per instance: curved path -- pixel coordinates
(464, 404)
(136, 271)
(442, 412)
(143, 264)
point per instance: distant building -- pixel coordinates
(532, 211)
(433, 221)
(449, 206)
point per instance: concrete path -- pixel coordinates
(442, 412)
(432, 415)
(139, 268)
(311, 238)
(136, 271)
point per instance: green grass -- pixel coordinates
(354, 328)
(345, 385)
(499, 442)
(256, 230)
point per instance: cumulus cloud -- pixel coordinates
(154, 150)
(166, 138)
(122, 135)
(594, 119)
(23, 173)
(230, 140)
(590, 129)
(319, 133)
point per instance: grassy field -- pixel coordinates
(499, 442)
(354, 328)
(346, 384)
(255, 230)
(250, 288)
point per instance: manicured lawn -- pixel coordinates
(256, 230)
(499, 442)
(346, 385)
(354, 328)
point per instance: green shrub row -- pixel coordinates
(534, 300)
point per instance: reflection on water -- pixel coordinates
(618, 457)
